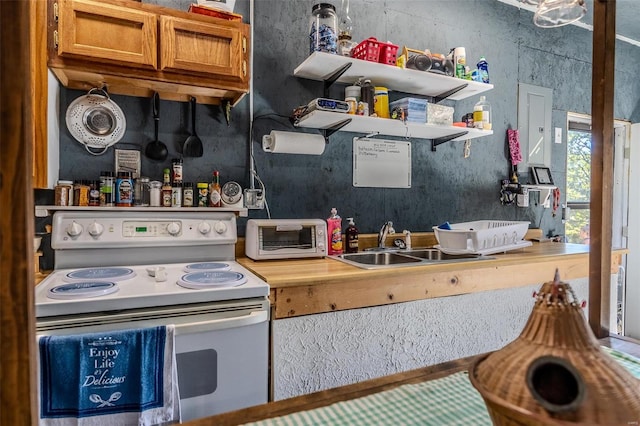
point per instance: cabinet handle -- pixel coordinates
(55, 12)
(55, 38)
(244, 45)
(244, 68)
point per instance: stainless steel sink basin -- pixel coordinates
(378, 259)
(403, 258)
(435, 254)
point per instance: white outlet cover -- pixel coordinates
(558, 138)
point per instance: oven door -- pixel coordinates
(221, 350)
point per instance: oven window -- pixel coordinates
(272, 239)
(197, 373)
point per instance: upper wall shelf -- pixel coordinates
(321, 66)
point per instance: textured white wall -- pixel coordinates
(317, 352)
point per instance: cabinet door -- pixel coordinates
(108, 32)
(203, 48)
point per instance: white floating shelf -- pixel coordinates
(320, 66)
(43, 211)
(386, 126)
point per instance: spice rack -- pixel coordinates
(44, 211)
(330, 69)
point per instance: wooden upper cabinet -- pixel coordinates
(206, 48)
(136, 49)
(107, 32)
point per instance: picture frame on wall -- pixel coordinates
(542, 175)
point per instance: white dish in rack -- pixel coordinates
(485, 252)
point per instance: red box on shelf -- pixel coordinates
(375, 51)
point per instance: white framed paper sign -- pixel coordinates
(380, 163)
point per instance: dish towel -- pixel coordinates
(126, 377)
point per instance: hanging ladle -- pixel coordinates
(156, 150)
(193, 145)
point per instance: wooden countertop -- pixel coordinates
(368, 387)
(308, 286)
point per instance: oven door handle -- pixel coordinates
(254, 317)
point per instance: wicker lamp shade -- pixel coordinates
(555, 372)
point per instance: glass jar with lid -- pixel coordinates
(323, 25)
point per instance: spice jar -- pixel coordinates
(64, 193)
(187, 194)
(203, 194)
(176, 170)
(124, 189)
(176, 194)
(81, 193)
(155, 189)
(323, 24)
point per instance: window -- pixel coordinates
(578, 181)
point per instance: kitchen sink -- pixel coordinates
(403, 258)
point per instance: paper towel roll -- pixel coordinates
(293, 143)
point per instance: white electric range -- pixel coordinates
(118, 270)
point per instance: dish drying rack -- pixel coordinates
(482, 237)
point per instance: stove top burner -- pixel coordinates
(100, 274)
(207, 266)
(211, 279)
(80, 290)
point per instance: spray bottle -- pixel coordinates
(334, 233)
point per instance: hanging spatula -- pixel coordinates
(193, 145)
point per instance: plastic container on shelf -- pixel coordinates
(375, 51)
(368, 96)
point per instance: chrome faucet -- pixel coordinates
(387, 229)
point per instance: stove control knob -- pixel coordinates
(74, 229)
(204, 228)
(220, 227)
(95, 229)
(173, 228)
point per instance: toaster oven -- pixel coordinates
(285, 238)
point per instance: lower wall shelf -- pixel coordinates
(390, 127)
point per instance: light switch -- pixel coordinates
(558, 138)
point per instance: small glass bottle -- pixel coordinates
(176, 194)
(187, 194)
(176, 169)
(323, 36)
(166, 188)
(94, 193)
(215, 198)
